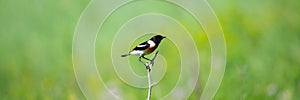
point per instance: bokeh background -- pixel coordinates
(262, 38)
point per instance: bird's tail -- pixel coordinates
(124, 55)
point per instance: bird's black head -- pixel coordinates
(157, 38)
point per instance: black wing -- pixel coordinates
(142, 46)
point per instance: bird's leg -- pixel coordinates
(146, 58)
(147, 66)
(141, 60)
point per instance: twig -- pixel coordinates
(149, 67)
(149, 83)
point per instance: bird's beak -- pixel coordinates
(164, 37)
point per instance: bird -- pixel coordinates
(146, 47)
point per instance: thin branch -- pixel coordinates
(149, 67)
(149, 83)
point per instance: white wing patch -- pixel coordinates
(141, 46)
(137, 52)
(151, 43)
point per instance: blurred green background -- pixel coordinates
(262, 38)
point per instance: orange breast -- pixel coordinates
(150, 50)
